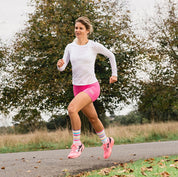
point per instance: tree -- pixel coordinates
(157, 102)
(158, 96)
(163, 40)
(28, 120)
(3, 71)
(58, 121)
(50, 28)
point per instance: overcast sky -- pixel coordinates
(13, 14)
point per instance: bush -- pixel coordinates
(133, 117)
(58, 121)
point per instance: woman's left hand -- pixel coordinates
(113, 79)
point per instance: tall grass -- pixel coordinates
(61, 139)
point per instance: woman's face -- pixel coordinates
(80, 30)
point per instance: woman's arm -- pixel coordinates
(104, 51)
(62, 63)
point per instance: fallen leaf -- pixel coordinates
(35, 167)
(161, 165)
(143, 173)
(149, 168)
(133, 154)
(3, 168)
(150, 159)
(122, 171)
(143, 169)
(115, 163)
(123, 165)
(129, 170)
(165, 174)
(105, 171)
(28, 171)
(39, 161)
(23, 159)
(82, 174)
(166, 157)
(65, 170)
(113, 167)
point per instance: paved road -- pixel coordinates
(54, 163)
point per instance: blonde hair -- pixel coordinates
(86, 22)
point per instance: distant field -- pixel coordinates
(62, 139)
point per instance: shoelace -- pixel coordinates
(107, 145)
(74, 148)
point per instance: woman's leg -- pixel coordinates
(81, 100)
(91, 113)
(78, 103)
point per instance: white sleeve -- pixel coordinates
(100, 49)
(66, 58)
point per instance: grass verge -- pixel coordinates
(154, 167)
(62, 139)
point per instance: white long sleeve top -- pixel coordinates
(82, 58)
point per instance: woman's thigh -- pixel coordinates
(80, 101)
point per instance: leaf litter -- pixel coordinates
(160, 167)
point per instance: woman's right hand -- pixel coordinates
(60, 63)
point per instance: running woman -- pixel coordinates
(82, 54)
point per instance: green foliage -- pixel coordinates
(133, 117)
(158, 96)
(3, 68)
(28, 120)
(58, 121)
(158, 102)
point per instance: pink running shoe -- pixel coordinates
(107, 147)
(76, 150)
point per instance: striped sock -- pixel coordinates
(76, 136)
(102, 136)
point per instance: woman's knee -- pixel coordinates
(71, 109)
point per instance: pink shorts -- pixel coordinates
(93, 90)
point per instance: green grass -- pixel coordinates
(62, 139)
(153, 167)
(91, 141)
(29, 147)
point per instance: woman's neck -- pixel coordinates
(82, 41)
